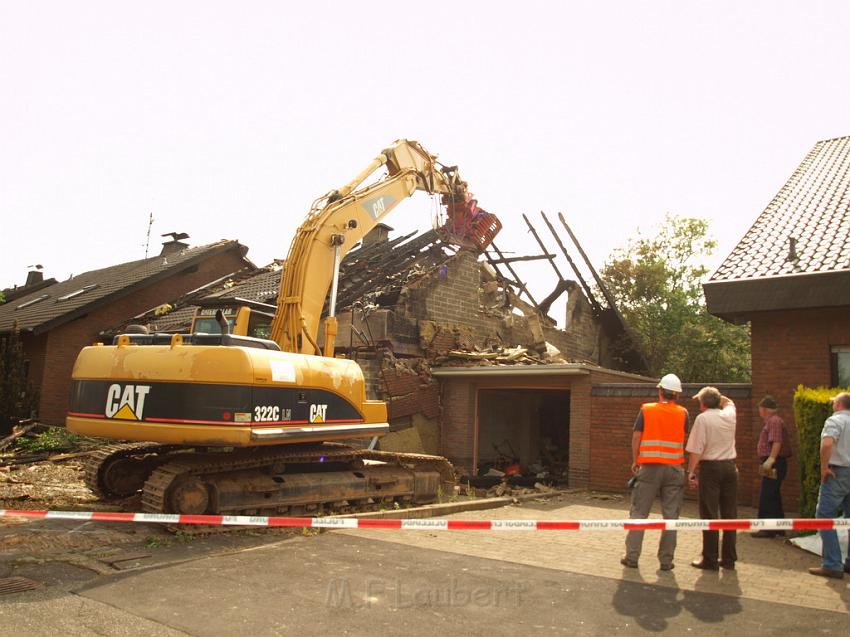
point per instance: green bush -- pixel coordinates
(54, 439)
(811, 408)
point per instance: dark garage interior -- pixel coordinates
(524, 433)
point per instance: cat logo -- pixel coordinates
(126, 404)
(318, 413)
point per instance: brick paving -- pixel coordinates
(768, 569)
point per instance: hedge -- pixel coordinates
(812, 406)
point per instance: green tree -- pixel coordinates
(656, 282)
(17, 398)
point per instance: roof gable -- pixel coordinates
(796, 254)
(811, 213)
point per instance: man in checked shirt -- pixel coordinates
(774, 449)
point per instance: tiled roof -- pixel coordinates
(261, 287)
(249, 284)
(51, 306)
(811, 213)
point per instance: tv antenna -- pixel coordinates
(148, 240)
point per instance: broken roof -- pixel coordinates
(375, 273)
(795, 254)
(61, 302)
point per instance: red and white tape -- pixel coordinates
(433, 524)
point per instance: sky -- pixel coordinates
(226, 120)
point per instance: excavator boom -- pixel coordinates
(340, 219)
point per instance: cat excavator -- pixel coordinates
(236, 425)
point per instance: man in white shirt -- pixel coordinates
(711, 447)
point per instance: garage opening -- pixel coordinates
(524, 436)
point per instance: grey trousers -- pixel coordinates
(668, 482)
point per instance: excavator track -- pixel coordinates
(119, 470)
(319, 476)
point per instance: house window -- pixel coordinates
(82, 290)
(841, 366)
(32, 301)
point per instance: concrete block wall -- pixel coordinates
(370, 363)
(454, 297)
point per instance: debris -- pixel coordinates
(26, 427)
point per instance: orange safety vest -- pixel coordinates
(663, 439)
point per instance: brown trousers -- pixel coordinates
(718, 498)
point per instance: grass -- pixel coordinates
(153, 542)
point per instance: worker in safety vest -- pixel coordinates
(658, 457)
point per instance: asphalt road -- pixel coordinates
(344, 585)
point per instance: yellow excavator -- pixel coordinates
(231, 424)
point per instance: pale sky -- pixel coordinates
(226, 120)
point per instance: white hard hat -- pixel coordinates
(670, 382)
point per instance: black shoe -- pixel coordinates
(763, 534)
(667, 567)
(847, 568)
(706, 566)
(627, 562)
(826, 572)
(728, 565)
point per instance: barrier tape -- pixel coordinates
(433, 524)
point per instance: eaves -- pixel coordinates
(735, 300)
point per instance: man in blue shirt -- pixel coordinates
(834, 484)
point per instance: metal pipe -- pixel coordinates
(335, 283)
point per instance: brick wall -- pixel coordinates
(63, 343)
(791, 348)
(454, 298)
(370, 363)
(614, 407)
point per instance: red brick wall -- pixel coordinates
(65, 342)
(791, 348)
(458, 424)
(614, 408)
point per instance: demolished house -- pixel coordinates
(469, 362)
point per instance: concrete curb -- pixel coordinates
(448, 508)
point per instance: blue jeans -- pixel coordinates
(833, 495)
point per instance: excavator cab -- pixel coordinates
(244, 318)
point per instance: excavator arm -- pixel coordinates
(340, 219)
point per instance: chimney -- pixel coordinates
(175, 245)
(380, 233)
(35, 275)
(792, 249)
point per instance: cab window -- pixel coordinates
(208, 325)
